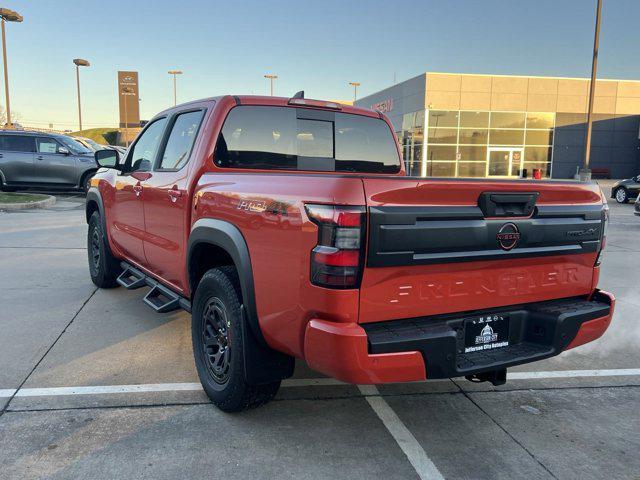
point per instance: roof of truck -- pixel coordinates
(280, 102)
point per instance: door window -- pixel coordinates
(17, 143)
(143, 152)
(181, 140)
(47, 145)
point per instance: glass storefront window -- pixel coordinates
(537, 154)
(540, 120)
(474, 119)
(441, 169)
(458, 142)
(468, 152)
(443, 118)
(474, 136)
(443, 135)
(441, 152)
(506, 137)
(472, 169)
(539, 137)
(507, 120)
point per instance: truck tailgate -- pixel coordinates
(441, 246)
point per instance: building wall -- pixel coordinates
(405, 97)
(615, 143)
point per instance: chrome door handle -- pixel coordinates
(39, 157)
(175, 194)
(137, 189)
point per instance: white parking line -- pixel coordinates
(422, 464)
(623, 372)
(289, 383)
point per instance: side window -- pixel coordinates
(17, 143)
(183, 135)
(46, 145)
(143, 153)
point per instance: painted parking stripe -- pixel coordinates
(623, 372)
(421, 462)
(289, 383)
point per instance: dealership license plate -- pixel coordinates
(486, 332)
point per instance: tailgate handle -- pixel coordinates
(495, 204)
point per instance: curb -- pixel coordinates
(10, 207)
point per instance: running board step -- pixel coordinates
(162, 299)
(130, 278)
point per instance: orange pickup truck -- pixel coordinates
(289, 229)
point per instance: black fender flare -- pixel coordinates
(262, 363)
(228, 237)
(93, 195)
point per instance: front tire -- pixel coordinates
(103, 266)
(218, 343)
(621, 195)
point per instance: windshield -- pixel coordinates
(73, 145)
(303, 139)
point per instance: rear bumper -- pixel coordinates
(433, 347)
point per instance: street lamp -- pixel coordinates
(174, 73)
(355, 86)
(271, 78)
(7, 16)
(585, 174)
(79, 63)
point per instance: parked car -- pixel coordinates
(95, 146)
(626, 190)
(289, 229)
(36, 159)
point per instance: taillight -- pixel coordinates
(338, 257)
(603, 235)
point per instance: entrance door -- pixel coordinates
(504, 162)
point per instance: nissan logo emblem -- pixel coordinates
(508, 236)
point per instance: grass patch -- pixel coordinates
(100, 135)
(20, 197)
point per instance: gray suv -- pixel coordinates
(35, 159)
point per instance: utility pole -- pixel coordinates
(271, 78)
(175, 73)
(355, 86)
(7, 15)
(79, 62)
(585, 173)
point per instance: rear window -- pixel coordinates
(17, 143)
(285, 138)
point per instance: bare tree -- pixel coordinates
(15, 117)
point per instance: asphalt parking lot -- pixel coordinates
(94, 384)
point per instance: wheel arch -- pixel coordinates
(225, 244)
(90, 171)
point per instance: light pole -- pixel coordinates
(79, 63)
(174, 73)
(585, 174)
(355, 86)
(7, 16)
(271, 78)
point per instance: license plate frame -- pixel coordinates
(486, 332)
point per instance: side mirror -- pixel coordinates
(107, 158)
(63, 151)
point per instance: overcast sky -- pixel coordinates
(226, 47)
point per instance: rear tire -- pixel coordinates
(218, 343)
(103, 266)
(621, 195)
(85, 182)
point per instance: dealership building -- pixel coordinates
(463, 125)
